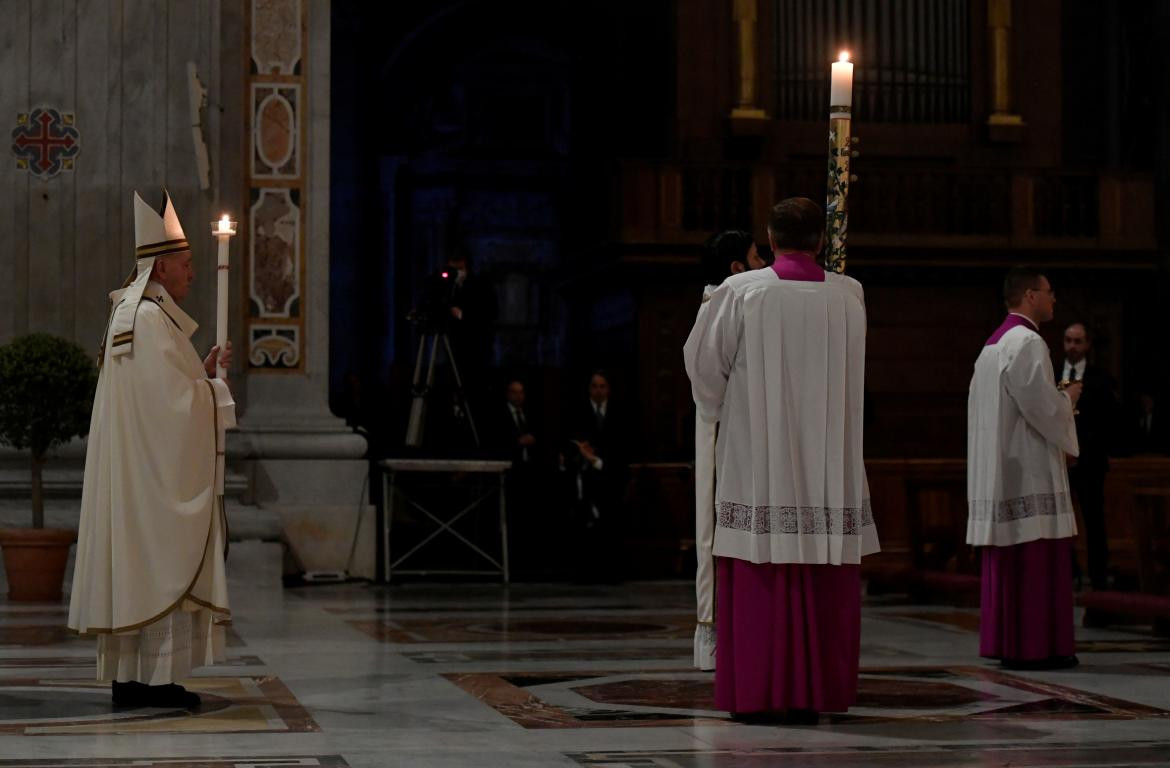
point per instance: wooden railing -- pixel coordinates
(904, 206)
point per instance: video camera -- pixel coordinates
(433, 311)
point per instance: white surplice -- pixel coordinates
(780, 365)
(704, 645)
(149, 578)
(1019, 428)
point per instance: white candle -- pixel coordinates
(841, 86)
(223, 231)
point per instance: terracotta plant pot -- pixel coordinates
(34, 559)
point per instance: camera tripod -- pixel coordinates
(421, 390)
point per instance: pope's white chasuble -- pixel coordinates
(149, 579)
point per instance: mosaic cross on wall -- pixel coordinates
(45, 141)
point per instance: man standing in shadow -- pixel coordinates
(594, 460)
(1096, 411)
(515, 439)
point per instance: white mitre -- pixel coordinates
(156, 233)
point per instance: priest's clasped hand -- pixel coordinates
(586, 450)
(225, 358)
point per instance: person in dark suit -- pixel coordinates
(1097, 411)
(1149, 427)
(515, 438)
(594, 460)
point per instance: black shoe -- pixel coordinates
(763, 717)
(802, 717)
(130, 694)
(172, 696)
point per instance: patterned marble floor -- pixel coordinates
(547, 675)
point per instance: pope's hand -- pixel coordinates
(224, 358)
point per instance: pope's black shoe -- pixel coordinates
(129, 694)
(170, 696)
(173, 696)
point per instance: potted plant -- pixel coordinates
(46, 396)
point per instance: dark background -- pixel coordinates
(583, 152)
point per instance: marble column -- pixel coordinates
(301, 460)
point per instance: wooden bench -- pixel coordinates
(1151, 545)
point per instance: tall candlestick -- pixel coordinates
(223, 231)
(840, 151)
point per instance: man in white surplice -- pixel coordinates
(777, 358)
(1020, 428)
(149, 578)
(727, 253)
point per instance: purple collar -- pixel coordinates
(797, 266)
(1012, 321)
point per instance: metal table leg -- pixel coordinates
(504, 528)
(389, 486)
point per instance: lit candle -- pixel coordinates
(841, 87)
(223, 231)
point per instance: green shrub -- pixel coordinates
(46, 396)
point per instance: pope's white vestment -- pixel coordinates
(149, 579)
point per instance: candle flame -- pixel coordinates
(843, 56)
(225, 224)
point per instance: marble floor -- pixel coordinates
(424, 674)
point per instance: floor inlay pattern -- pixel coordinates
(927, 756)
(885, 694)
(315, 761)
(33, 706)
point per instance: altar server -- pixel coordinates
(777, 358)
(1020, 432)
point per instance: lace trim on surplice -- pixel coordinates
(763, 520)
(1020, 508)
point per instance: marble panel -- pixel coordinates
(276, 36)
